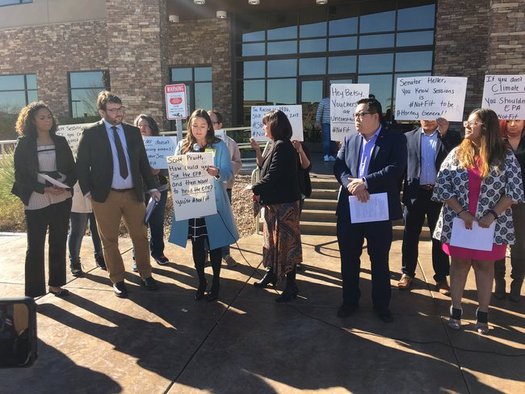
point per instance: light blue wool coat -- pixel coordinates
(221, 227)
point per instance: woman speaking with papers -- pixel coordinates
(478, 182)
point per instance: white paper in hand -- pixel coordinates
(374, 210)
(477, 239)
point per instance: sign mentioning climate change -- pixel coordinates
(293, 112)
(176, 103)
(343, 102)
(505, 95)
(429, 98)
(72, 133)
(158, 148)
(192, 187)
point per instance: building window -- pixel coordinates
(12, 2)
(16, 91)
(198, 83)
(84, 87)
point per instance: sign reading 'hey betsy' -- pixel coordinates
(158, 148)
(192, 187)
(293, 112)
(343, 102)
(505, 95)
(428, 98)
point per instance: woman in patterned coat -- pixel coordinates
(478, 182)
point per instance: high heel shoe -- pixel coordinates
(213, 294)
(268, 278)
(199, 294)
(288, 294)
(482, 322)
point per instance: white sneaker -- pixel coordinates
(331, 158)
(326, 158)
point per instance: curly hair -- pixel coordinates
(189, 140)
(25, 124)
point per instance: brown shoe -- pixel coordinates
(405, 282)
(443, 287)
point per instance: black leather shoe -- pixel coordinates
(346, 310)
(76, 270)
(101, 263)
(213, 294)
(384, 315)
(120, 289)
(149, 283)
(269, 277)
(199, 294)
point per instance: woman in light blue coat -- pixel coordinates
(214, 231)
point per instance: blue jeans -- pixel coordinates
(156, 226)
(77, 229)
(226, 249)
(329, 147)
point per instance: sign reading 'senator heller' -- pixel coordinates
(343, 102)
(176, 103)
(428, 98)
(158, 148)
(505, 95)
(293, 112)
(192, 188)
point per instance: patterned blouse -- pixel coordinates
(452, 181)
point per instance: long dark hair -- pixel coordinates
(153, 126)
(189, 140)
(25, 124)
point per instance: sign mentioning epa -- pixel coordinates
(428, 98)
(343, 102)
(293, 112)
(176, 103)
(72, 133)
(505, 95)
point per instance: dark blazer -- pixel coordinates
(95, 162)
(279, 180)
(386, 168)
(26, 166)
(444, 146)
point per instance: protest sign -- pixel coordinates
(505, 95)
(343, 101)
(192, 187)
(72, 133)
(158, 148)
(293, 112)
(176, 101)
(428, 98)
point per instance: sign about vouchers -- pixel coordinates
(343, 102)
(505, 95)
(192, 187)
(176, 102)
(72, 133)
(293, 112)
(158, 148)
(428, 98)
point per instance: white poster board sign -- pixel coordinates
(192, 187)
(343, 102)
(505, 95)
(158, 148)
(293, 112)
(428, 98)
(176, 101)
(72, 133)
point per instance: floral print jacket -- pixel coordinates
(452, 181)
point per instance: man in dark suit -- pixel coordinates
(427, 147)
(112, 166)
(371, 161)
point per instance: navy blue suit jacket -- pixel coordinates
(385, 171)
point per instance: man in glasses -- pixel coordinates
(427, 147)
(112, 166)
(370, 161)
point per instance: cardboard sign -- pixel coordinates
(176, 101)
(505, 95)
(343, 102)
(293, 112)
(192, 187)
(72, 133)
(429, 98)
(158, 148)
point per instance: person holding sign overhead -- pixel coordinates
(478, 182)
(211, 232)
(369, 162)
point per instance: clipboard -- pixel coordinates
(152, 203)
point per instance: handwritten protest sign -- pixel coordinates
(192, 187)
(343, 101)
(72, 133)
(428, 98)
(505, 95)
(293, 112)
(158, 148)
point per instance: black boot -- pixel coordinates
(216, 260)
(199, 267)
(269, 277)
(76, 269)
(499, 288)
(291, 290)
(515, 290)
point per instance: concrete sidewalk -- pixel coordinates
(165, 342)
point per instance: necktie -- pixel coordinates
(120, 153)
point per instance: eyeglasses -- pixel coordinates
(115, 110)
(469, 123)
(361, 114)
